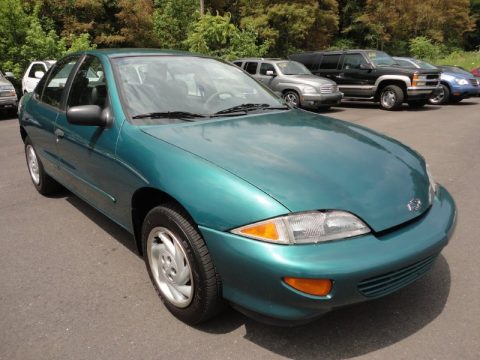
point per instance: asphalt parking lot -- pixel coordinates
(73, 287)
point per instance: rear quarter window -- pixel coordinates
(251, 67)
(330, 61)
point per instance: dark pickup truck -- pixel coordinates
(372, 75)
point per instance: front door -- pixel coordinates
(87, 152)
(353, 79)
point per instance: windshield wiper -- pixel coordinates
(245, 108)
(188, 116)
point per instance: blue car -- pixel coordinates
(231, 196)
(456, 83)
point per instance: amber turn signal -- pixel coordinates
(266, 230)
(317, 287)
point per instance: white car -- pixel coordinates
(34, 73)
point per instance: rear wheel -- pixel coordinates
(391, 97)
(44, 184)
(441, 97)
(180, 266)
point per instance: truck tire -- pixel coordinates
(391, 97)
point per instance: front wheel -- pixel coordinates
(391, 97)
(292, 98)
(180, 266)
(442, 97)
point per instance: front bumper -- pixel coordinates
(8, 102)
(252, 271)
(421, 92)
(317, 100)
(465, 91)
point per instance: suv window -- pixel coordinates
(238, 63)
(353, 61)
(36, 67)
(88, 86)
(264, 67)
(52, 92)
(251, 67)
(330, 61)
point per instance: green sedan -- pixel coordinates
(231, 196)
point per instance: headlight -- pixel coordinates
(432, 185)
(303, 228)
(309, 90)
(462, 81)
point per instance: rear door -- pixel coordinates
(251, 68)
(329, 66)
(87, 153)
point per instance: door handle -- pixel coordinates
(59, 134)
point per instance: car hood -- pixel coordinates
(307, 79)
(448, 75)
(308, 162)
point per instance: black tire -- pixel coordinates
(292, 98)
(44, 184)
(417, 104)
(442, 98)
(391, 97)
(324, 108)
(206, 301)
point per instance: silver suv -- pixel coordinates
(294, 81)
(8, 96)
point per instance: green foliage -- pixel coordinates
(173, 20)
(215, 35)
(465, 59)
(80, 43)
(291, 25)
(342, 44)
(423, 48)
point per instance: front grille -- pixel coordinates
(474, 82)
(328, 89)
(394, 280)
(6, 94)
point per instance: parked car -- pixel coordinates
(372, 75)
(232, 196)
(8, 96)
(34, 73)
(456, 83)
(298, 86)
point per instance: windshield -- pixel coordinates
(379, 58)
(187, 84)
(292, 68)
(424, 64)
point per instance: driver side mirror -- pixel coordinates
(366, 67)
(270, 73)
(39, 74)
(89, 115)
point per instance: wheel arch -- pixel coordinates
(23, 133)
(384, 83)
(144, 200)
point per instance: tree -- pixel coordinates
(215, 35)
(173, 20)
(136, 22)
(290, 25)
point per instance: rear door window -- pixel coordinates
(251, 67)
(330, 61)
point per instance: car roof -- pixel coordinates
(261, 59)
(122, 52)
